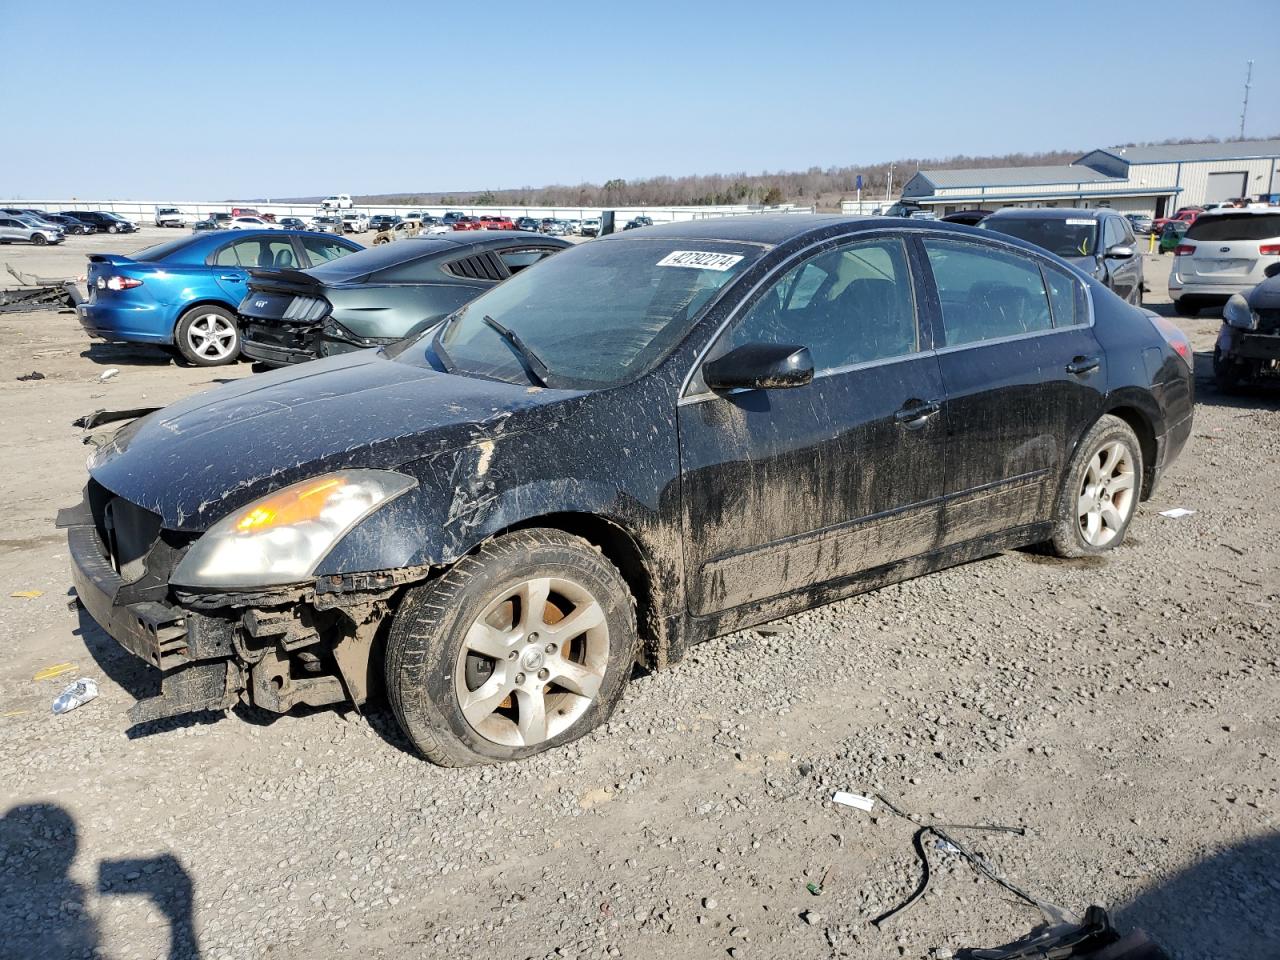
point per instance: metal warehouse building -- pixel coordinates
(1154, 180)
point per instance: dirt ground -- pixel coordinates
(1124, 712)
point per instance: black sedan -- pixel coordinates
(640, 444)
(377, 296)
(72, 225)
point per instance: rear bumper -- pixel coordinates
(139, 323)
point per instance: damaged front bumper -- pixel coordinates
(191, 649)
(309, 644)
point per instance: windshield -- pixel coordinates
(597, 315)
(1068, 237)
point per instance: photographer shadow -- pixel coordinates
(45, 910)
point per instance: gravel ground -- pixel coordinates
(1123, 711)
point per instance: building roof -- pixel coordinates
(1175, 152)
(1013, 176)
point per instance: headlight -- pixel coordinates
(282, 538)
(1237, 313)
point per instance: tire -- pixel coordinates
(39, 239)
(1074, 532)
(202, 336)
(1186, 307)
(431, 663)
(112, 229)
(1226, 373)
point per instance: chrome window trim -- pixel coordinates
(922, 232)
(818, 375)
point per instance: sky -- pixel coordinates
(276, 98)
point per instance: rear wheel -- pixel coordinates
(208, 337)
(1186, 307)
(523, 646)
(1100, 492)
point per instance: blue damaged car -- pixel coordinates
(184, 293)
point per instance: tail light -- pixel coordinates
(1184, 250)
(118, 283)
(1269, 250)
(1174, 337)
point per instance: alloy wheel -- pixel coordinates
(1107, 494)
(533, 662)
(212, 337)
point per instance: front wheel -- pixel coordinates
(208, 337)
(522, 646)
(39, 239)
(112, 229)
(1226, 372)
(1100, 492)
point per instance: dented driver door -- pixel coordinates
(785, 489)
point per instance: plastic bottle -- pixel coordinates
(76, 695)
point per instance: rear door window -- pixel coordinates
(1066, 297)
(517, 260)
(1235, 226)
(987, 294)
(267, 252)
(322, 249)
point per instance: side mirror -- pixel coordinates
(1120, 251)
(760, 366)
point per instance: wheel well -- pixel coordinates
(206, 302)
(619, 548)
(1141, 426)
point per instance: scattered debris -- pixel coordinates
(37, 293)
(1177, 513)
(811, 918)
(57, 670)
(33, 375)
(108, 374)
(946, 846)
(1092, 939)
(101, 416)
(854, 800)
(76, 695)
(939, 831)
(27, 594)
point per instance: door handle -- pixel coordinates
(916, 414)
(231, 276)
(1082, 365)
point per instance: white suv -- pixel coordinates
(339, 201)
(355, 222)
(1224, 252)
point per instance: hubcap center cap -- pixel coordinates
(533, 659)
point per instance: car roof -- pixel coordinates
(769, 229)
(1050, 213)
(1236, 211)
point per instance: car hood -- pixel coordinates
(202, 457)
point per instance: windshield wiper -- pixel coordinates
(533, 366)
(438, 348)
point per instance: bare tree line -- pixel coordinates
(822, 187)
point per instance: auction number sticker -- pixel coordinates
(1080, 223)
(699, 260)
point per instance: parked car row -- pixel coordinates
(26, 225)
(585, 456)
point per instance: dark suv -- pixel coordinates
(104, 222)
(1099, 242)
